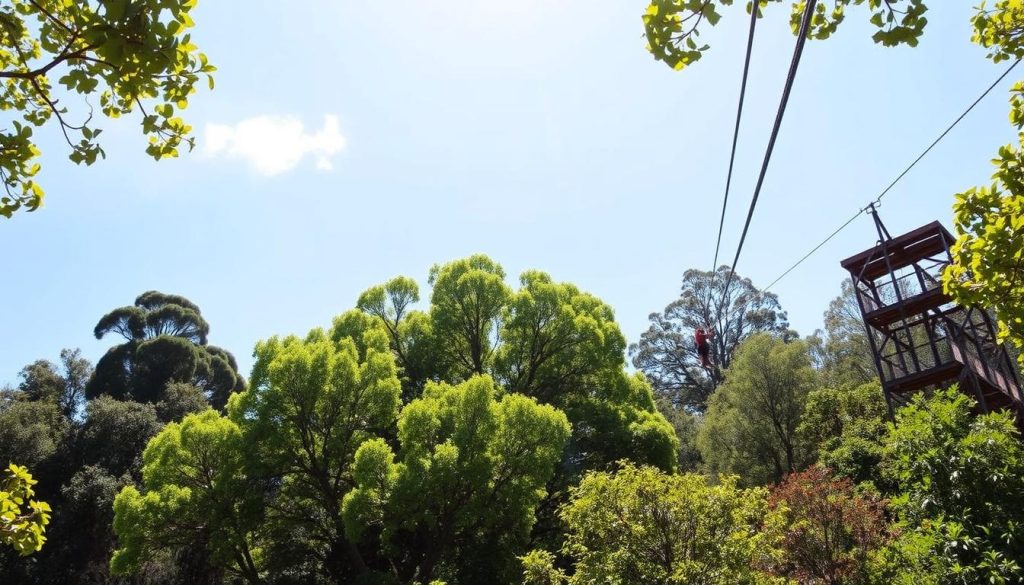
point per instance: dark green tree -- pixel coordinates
(847, 428)
(81, 457)
(165, 342)
(687, 426)
(63, 386)
(667, 351)
(179, 400)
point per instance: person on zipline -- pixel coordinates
(703, 349)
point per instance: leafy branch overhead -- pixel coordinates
(672, 27)
(135, 54)
(22, 520)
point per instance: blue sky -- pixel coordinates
(349, 142)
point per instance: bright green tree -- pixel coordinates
(750, 428)
(194, 486)
(547, 340)
(459, 501)
(960, 481)
(639, 525)
(988, 269)
(165, 342)
(22, 520)
(136, 54)
(311, 404)
(465, 306)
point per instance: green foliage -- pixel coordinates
(639, 525)
(987, 269)
(114, 434)
(686, 426)
(31, 432)
(310, 406)
(548, 340)
(180, 399)
(847, 427)
(667, 351)
(750, 428)
(22, 520)
(65, 387)
(165, 342)
(194, 486)
(960, 479)
(1001, 30)
(82, 458)
(471, 469)
(846, 358)
(672, 27)
(466, 302)
(544, 317)
(539, 569)
(133, 53)
(410, 331)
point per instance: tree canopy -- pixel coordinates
(750, 428)
(639, 525)
(63, 386)
(547, 340)
(461, 497)
(137, 55)
(513, 447)
(667, 351)
(165, 342)
(959, 480)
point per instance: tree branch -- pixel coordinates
(55, 20)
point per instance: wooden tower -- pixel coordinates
(920, 338)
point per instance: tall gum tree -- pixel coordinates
(667, 351)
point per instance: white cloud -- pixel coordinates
(272, 145)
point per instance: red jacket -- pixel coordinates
(702, 337)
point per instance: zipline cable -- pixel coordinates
(885, 191)
(790, 78)
(736, 131)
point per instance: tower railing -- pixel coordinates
(919, 337)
